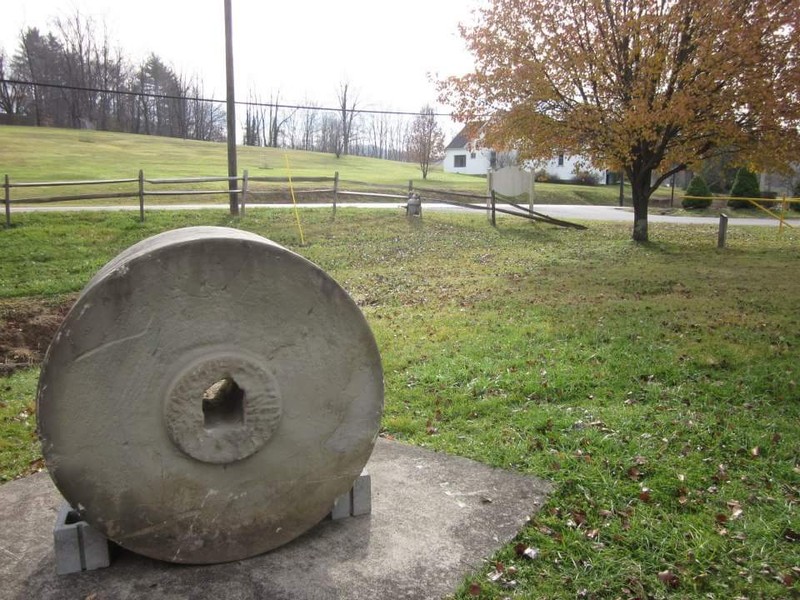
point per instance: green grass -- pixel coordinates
(30, 154)
(50, 154)
(654, 384)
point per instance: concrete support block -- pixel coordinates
(77, 545)
(356, 502)
(362, 495)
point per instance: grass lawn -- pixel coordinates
(31, 154)
(655, 385)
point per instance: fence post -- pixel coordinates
(7, 194)
(489, 196)
(335, 190)
(245, 179)
(410, 185)
(494, 222)
(723, 230)
(532, 191)
(784, 208)
(141, 195)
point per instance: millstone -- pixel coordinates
(208, 396)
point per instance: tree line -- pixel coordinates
(74, 77)
(78, 80)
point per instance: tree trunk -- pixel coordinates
(640, 190)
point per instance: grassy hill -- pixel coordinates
(29, 154)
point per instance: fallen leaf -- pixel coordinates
(579, 517)
(736, 509)
(526, 551)
(644, 495)
(790, 535)
(669, 579)
(756, 451)
(474, 589)
(634, 474)
(494, 576)
(544, 530)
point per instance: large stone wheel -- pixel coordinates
(209, 396)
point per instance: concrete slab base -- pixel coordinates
(434, 518)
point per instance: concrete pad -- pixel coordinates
(434, 518)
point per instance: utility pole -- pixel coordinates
(231, 110)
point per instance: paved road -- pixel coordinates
(558, 211)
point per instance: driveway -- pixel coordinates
(567, 212)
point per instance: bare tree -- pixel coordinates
(426, 140)
(347, 113)
(12, 96)
(309, 127)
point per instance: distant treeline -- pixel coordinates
(74, 77)
(73, 69)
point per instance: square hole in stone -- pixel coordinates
(223, 405)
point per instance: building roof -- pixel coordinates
(460, 141)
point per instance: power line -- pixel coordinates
(275, 105)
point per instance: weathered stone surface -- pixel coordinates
(209, 396)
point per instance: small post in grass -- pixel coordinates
(335, 190)
(723, 230)
(494, 220)
(7, 200)
(141, 195)
(245, 179)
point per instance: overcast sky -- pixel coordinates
(303, 48)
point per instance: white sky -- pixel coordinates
(386, 50)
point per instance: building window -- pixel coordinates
(472, 155)
(460, 160)
(560, 160)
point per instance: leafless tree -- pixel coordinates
(425, 140)
(12, 96)
(347, 113)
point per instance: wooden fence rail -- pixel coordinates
(140, 190)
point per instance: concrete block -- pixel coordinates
(77, 545)
(341, 507)
(362, 495)
(356, 502)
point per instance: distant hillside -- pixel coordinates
(50, 154)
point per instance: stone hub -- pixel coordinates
(222, 408)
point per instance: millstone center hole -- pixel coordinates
(223, 405)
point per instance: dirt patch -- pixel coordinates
(26, 328)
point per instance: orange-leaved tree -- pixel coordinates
(650, 87)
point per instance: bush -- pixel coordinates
(699, 188)
(744, 186)
(585, 178)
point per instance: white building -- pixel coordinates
(463, 156)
